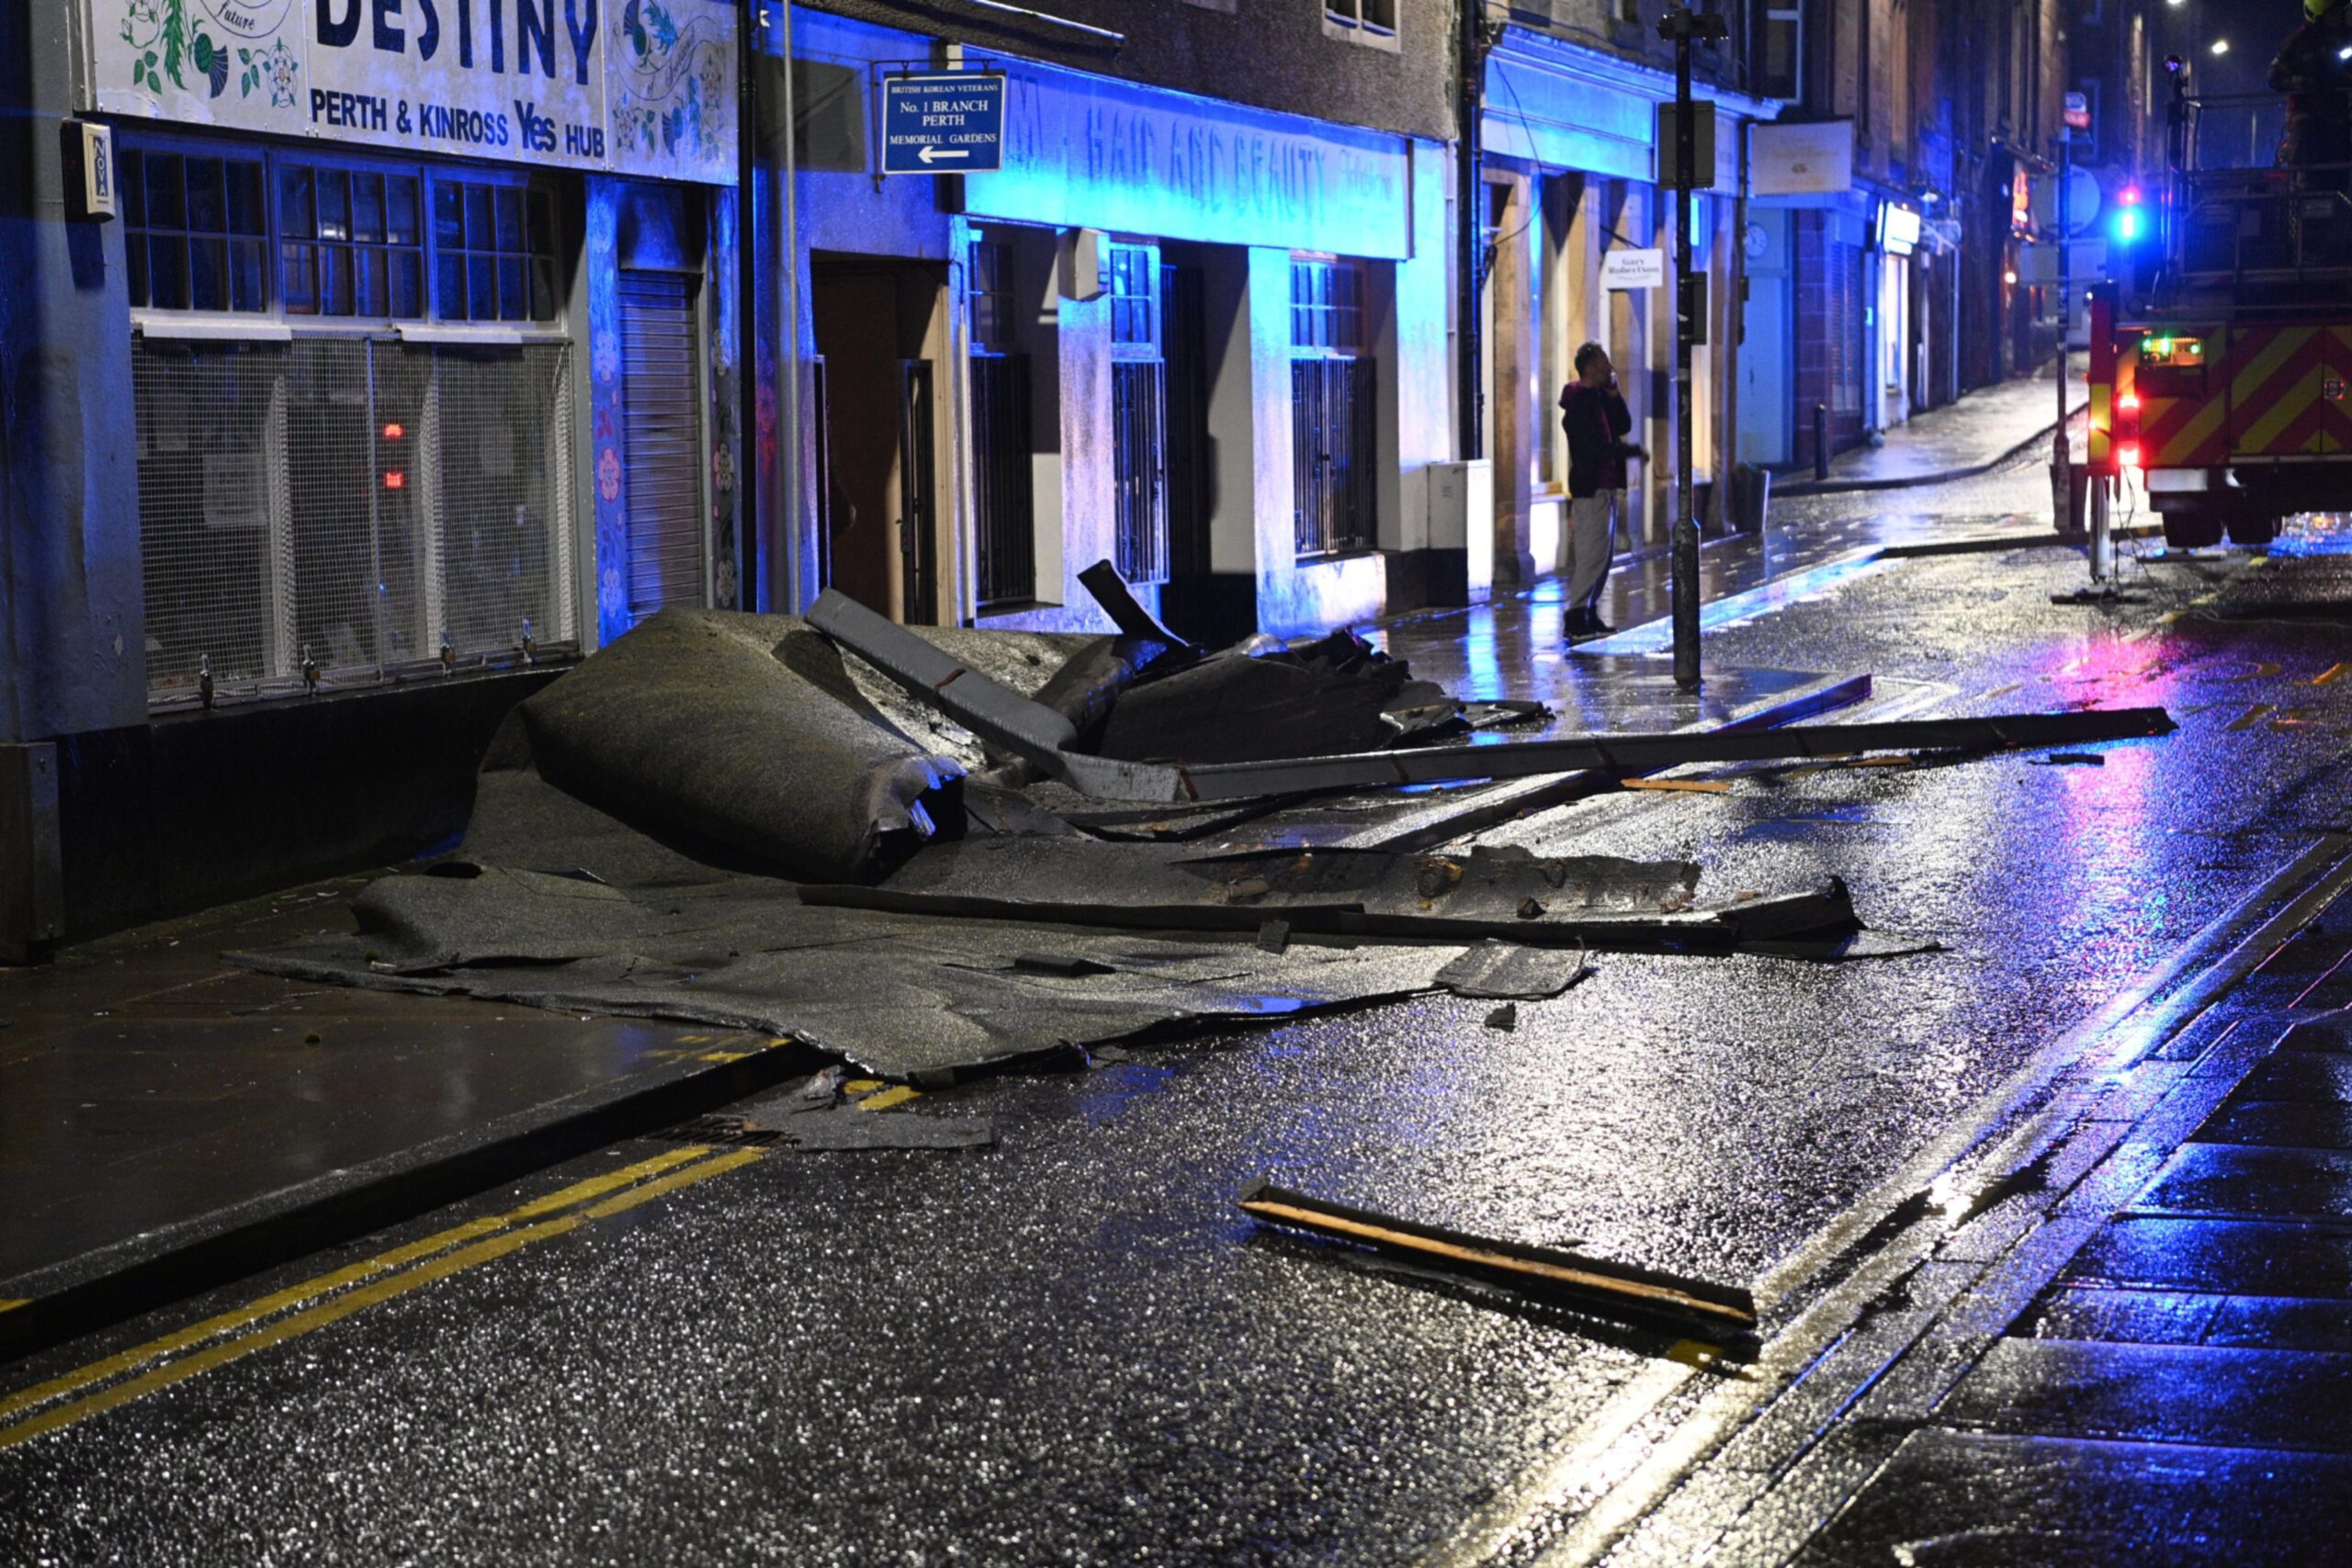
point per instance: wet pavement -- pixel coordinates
(1980, 429)
(1069, 1348)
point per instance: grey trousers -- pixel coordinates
(1592, 545)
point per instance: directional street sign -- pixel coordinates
(947, 123)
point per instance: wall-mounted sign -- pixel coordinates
(1632, 269)
(1129, 158)
(949, 123)
(94, 146)
(639, 86)
(1898, 229)
(1816, 158)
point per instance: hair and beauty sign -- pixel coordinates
(639, 86)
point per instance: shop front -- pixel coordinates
(418, 310)
(400, 373)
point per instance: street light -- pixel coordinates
(2221, 46)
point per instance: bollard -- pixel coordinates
(1821, 441)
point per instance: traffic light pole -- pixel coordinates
(1682, 28)
(2061, 488)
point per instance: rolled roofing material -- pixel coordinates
(744, 731)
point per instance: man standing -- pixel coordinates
(1595, 417)
(2312, 69)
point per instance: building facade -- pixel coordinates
(1571, 167)
(399, 371)
(1194, 325)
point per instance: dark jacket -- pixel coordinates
(1597, 422)
(2312, 70)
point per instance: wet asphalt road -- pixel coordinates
(1069, 1348)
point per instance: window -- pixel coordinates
(1138, 416)
(340, 241)
(340, 500)
(494, 252)
(993, 319)
(1326, 305)
(1334, 433)
(1366, 21)
(349, 242)
(195, 231)
(351, 503)
(1135, 296)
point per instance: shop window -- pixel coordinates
(349, 503)
(493, 252)
(195, 231)
(351, 242)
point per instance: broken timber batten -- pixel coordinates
(1011, 723)
(1719, 1311)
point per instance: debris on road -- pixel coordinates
(1502, 970)
(1622, 1290)
(932, 849)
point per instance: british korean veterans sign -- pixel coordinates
(639, 86)
(951, 123)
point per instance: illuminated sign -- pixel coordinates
(638, 86)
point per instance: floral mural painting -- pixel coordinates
(671, 86)
(165, 42)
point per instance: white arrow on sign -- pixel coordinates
(934, 154)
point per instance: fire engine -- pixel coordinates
(2222, 351)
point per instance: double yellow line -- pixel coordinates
(329, 1298)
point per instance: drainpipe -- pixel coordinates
(1470, 229)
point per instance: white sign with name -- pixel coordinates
(1632, 269)
(1814, 159)
(639, 86)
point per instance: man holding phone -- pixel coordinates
(1594, 415)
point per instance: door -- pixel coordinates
(918, 540)
(1004, 528)
(1138, 469)
(880, 328)
(1766, 391)
(1332, 441)
(662, 442)
(1184, 341)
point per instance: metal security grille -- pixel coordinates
(354, 502)
(664, 437)
(1139, 469)
(1332, 441)
(1003, 500)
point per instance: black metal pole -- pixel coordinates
(1821, 441)
(1469, 237)
(1686, 525)
(747, 319)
